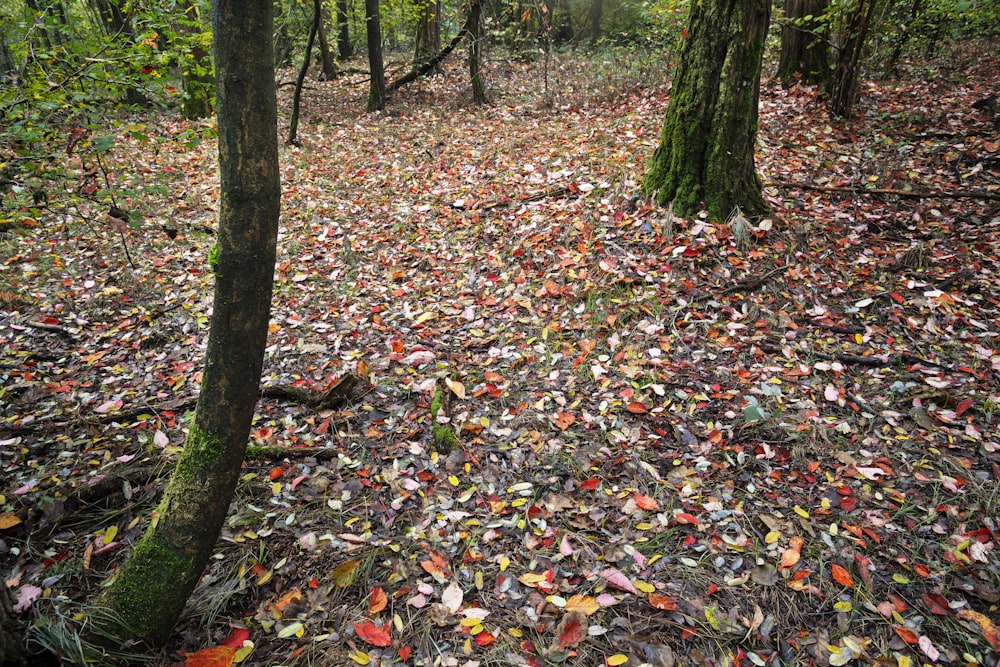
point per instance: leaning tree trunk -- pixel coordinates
(706, 151)
(293, 122)
(152, 587)
(376, 88)
(803, 49)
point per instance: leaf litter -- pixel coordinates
(681, 441)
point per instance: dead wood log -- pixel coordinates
(428, 66)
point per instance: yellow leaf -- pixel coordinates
(617, 659)
(772, 537)
(359, 657)
(504, 563)
(843, 605)
(244, 652)
(801, 512)
(900, 578)
(644, 587)
(425, 316)
(8, 520)
(453, 480)
(904, 661)
(109, 534)
(584, 604)
(294, 629)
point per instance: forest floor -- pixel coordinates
(680, 441)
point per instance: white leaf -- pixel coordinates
(831, 393)
(928, 648)
(452, 597)
(419, 357)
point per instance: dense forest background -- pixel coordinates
(534, 392)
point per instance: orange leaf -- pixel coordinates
(377, 600)
(8, 519)
(793, 553)
(485, 638)
(841, 576)
(373, 634)
(645, 502)
(907, 635)
(216, 656)
(287, 598)
(664, 602)
(435, 565)
(986, 626)
(275, 473)
(637, 408)
(563, 420)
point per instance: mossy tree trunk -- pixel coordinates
(706, 151)
(152, 587)
(803, 49)
(376, 87)
(327, 62)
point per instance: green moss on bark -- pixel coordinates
(202, 451)
(147, 583)
(213, 258)
(445, 440)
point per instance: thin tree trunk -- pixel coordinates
(844, 86)
(293, 123)
(706, 151)
(376, 89)
(152, 587)
(344, 48)
(428, 41)
(594, 19)
(327, 63)
(475, 53)
(803, 50)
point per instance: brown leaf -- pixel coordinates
(572, 629)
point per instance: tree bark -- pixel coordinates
(475, 54)
(706, 151)
(326, 60)
(594, 16)
(844, 85)
(13, 651)
(344, 49)
(373, 29)
(152, 587)
(293, 123)
(803, 49)
(428, 41)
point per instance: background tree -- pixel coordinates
(428, 40)
(152, 587)
(475, 24)
(706, 150)
(804, 47)
(344, 47)
(843, 89)
(326, 58)
(373, 29)
(117, 22)
(196, 62)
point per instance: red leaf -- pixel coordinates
(373, 634)
(484, 638)
(645, 502)
(216, 656)
(841, 576)
(236, 637)
(572, 629)
(637, 408)
(590, 484)
(404, 653)
(907, 635)
(937, 604)
(963, 406)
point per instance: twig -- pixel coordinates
(912, 194)
(882, 361)
(752, 284)
(54, 328)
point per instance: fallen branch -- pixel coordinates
(880, 361)
(560, 191)
(349, 387)
(426, 67)
(751, 284)
(912, 194)
(53, 328)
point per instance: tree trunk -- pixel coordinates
(293, 123)
(803, 49)
(844, 85)
(326, 61)
(199, 84)
(594, 19)
(152, 587)
(13, 651)
(344, 49)
(706, 151)
(475, 54)
(428, 41)
(118, 26)
(376, 89)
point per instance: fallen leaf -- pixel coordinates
(215, 656)
(452, 597)
(791, 555)
(377, 600)
(841, 576)
(8, 520)
(572, 629)
(616, 579)
(936, 604)
(373, 634)
(583, 604)
(645, 502)
(664, 602)
(563, 420)
(343, 574)
(456, 387)
(986, 626)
